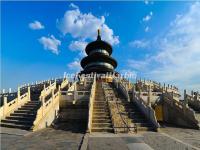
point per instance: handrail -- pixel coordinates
(122, 87)
(47, 90)
(91, 104)
(119, 112)
(180, 106)
(47, 105)
(8, 108)
(64, 83)
(148, 112)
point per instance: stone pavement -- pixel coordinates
(46, 139)
(189, 136)
(62, 138)
(142, 141)
(102, 141)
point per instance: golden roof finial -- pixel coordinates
(98, 32)
(99, 36)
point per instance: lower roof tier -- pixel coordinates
(95, 69)
(98, 58)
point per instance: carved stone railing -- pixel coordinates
(64, 83)
(122, 87)
(185, 113)
(73, 86)
(49, 108)
(9, 107)
(47, 90)
(192, 100)
(74, 95)
(147, 110)
(91, 104)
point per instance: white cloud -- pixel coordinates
(137, 64)
(72, 5)
(146, 2)
(139, 44)
(84, 26)
(148, 17)
(36, 25)
(75, 65)
(178, 57)
(50, 43)
(78, 46)
(146, 29)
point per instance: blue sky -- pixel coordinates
(152, 39)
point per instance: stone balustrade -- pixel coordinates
(192, 99)
(145, 105)
(177, 112)
(48, 111)
(91, 104)
(122, 87)
(8, 107)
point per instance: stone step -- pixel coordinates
(102, 130)
(100, 107)
(100, 113)
(101, 125)
(100, 117)
(20, 122)
(101, 120)
(34, 102)
(100, 110)
(28, 108)
(23, 115)
(26, 111)
(11, 125)
(20, 118)
(99, 102)
(31, 105)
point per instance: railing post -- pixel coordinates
(43, 102)
(172, 95)
(192, 93)
(75, 92)
(149, 96)
(196, 96)
(52, 91)
(185, 98)
(5, 101)
(29, 92)
(18, 95)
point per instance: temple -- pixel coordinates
(76, 114)
(99, 58)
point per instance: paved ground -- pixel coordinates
(59, 138)
(189, 136)
(116, 142)
(141, 141)
(70, 137)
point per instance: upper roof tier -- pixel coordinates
(98, 44)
